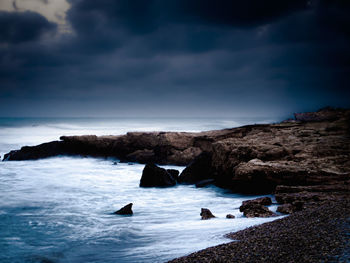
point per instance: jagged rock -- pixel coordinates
(154, 176)
(204, 183)
(126, 210)
(229, 216)
(200, 169)
(174, 173)
(206, 214)
(256, 207)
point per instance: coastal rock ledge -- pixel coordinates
(309, 151)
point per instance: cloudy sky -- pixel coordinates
(173, 58)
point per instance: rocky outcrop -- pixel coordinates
(200, 169)
(179, 148)
(126, 210)
(310, 151)
(154, 176)
(206, 214)
(256, 159)
(256, 207)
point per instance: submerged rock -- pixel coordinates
(154, 176)
(126, 210)
(206, 214)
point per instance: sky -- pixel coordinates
(176, 58)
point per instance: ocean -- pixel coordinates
(61, 209)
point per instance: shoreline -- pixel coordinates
(318, 234)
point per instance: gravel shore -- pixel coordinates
(319, 234)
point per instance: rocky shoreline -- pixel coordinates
(304, 162)
(318, 234)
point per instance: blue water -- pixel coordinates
(61, 209)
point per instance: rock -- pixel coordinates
(205, 183)
(260, 201)
(206, 214)
(126, 210)
(198, 170)
(173, 173)
(154, 176)
(256, 208)
(229, 216)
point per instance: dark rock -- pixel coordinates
(126, 210)
(206, 214)
(198, 170)
(154, 176)
(256, 208)
(205, 183)
(115, 163)
(174, 173)
(260, 201)
(229, 216)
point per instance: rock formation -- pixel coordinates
(206, 214)
(154, 176)
(303, 159)
(256, 207)
(126, 210)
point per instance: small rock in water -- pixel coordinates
(126, 210)
(206, 214)
(230, 216)
(115, 163)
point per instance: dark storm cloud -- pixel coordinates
(156, 57)
(20, 27)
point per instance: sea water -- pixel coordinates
(61, 209)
